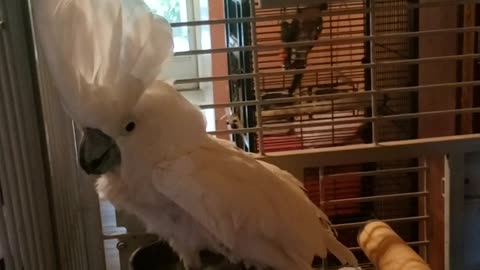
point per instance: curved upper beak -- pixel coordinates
(98, 152)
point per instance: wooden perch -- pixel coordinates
(386, 250)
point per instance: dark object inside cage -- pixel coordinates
(160, 256)
(240, 62)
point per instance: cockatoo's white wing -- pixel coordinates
(101, 53)
(257, 212)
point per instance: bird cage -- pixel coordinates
(374, 105)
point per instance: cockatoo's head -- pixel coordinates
(161, 125)
(104, 58)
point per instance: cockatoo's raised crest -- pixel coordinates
(102, 54)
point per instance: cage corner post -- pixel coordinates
(454, 210)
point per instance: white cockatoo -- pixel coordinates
(151, 150)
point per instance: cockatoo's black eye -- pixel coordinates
(130, 126)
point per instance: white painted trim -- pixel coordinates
(360, 153)
(26, 230)
(454, 210)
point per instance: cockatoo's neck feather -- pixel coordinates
(168, 126)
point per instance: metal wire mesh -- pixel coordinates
(359, 81)
(363, 68)
(353, 194)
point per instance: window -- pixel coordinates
(175, 11)
(181, 67)
(186, 39)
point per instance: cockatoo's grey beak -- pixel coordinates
(98, 152)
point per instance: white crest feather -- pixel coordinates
(101, 53)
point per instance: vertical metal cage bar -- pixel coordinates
(423, 207)
(373, 69)
(253, 30)
(454, 210)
